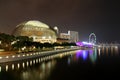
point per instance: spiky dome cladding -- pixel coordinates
(35, 28)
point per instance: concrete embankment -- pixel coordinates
(23, 56)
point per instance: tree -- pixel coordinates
(47, 45)
(6, 41)
(56, 44)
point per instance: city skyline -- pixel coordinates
(85, 17)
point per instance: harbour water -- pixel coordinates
(97, 63)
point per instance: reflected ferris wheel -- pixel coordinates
(92, 38)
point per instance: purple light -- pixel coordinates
(85, 55)
(79, 44)
(78, 54)
(82, 53)
(91, 51)
(84, 44)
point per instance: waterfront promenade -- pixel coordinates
(30, 55)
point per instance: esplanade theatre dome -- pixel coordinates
(40, 32)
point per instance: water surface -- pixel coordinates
(97, 63)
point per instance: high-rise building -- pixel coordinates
(74, 37)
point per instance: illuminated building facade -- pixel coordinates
(39, 31)
(64, 35)
(62, 40)
(72, 36)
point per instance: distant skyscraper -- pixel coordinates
(74, 37)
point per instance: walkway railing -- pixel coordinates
(22, 56)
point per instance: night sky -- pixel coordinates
(85, 16)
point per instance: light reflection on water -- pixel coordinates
(93, 54)
(112, 50)
(41, 68)
(33, 69)
(41, 72)
(84, 55)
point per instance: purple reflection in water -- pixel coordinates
(82, 53)
(91, 51)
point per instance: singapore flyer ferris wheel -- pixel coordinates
(92, 38)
